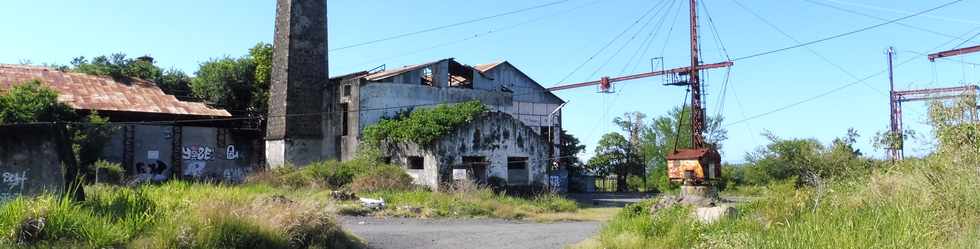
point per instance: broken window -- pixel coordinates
(460, 75)
(547, 134)
(427, 77)
(476, 167)
(416, 162)
(347, 90)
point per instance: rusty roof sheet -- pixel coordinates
(102, 93)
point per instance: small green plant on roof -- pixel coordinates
(423, 126)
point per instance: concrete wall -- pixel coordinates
(203, 152)
(31, 161)
(495, 136)
(212, 153)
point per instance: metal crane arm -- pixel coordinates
(954, 52)
(642, 75)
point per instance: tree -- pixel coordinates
(262, 55)
(32, 102)
(612, 155)
(226, 83)
(570, 147)
(240, 85)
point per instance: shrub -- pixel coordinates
(382, 178)
(108, 172)
(421, 126)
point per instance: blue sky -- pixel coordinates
(548, 43)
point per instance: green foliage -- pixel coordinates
(382, 178)
(89, 140)
(32, 102)
(472, 202)
(422, 126)
(615, 155)
(240, 85)
(226, 83)
(108, 172)
(804, 159)
(569, 148)
(177, 215)
(262, 55)
(121, 68)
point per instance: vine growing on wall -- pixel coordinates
(422, 126)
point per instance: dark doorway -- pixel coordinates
(476, 167)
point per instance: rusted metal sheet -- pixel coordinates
(694, 166)
(102, 93)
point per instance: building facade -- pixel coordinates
(358, 100)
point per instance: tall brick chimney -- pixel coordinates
(299, 73)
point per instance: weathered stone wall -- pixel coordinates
(31, 161)
(299, 73)
(494, 136)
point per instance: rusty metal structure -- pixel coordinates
(701, 164)
(896, 151)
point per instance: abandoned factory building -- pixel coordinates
(516, 141)
(154, 135)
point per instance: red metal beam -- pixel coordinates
(955, 90)
(642, 75)
(954, 52)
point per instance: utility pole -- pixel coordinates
(895, 149)
(697, 113)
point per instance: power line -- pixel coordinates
(811, 50)
(831, 91)
(610, 43)
(448, 25)
(627, 43)
(882, 19)
(487, 33)
(848, 33)
(866, 6)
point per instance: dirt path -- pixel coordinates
(384, 233)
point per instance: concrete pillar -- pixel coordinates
(299, 73)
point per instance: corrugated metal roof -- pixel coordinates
(395, 72)
(101, 93)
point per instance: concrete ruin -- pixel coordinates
(33, 161)
(495, 144)
(524, 110)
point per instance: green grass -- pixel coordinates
(179, 215)
(930, 203)
(476, 202)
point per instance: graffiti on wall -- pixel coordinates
(235, 175)
(231, 153)
(157, 171)
(198, 152)
(13, 185)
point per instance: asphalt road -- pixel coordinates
(404, 233)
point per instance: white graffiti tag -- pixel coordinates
(14, 181)
(231, 153)
(198, 152)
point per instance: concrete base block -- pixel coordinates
(710, 215)
(296, 152)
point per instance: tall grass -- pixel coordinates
(932, 203)
(471, 202)
(177, 215)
